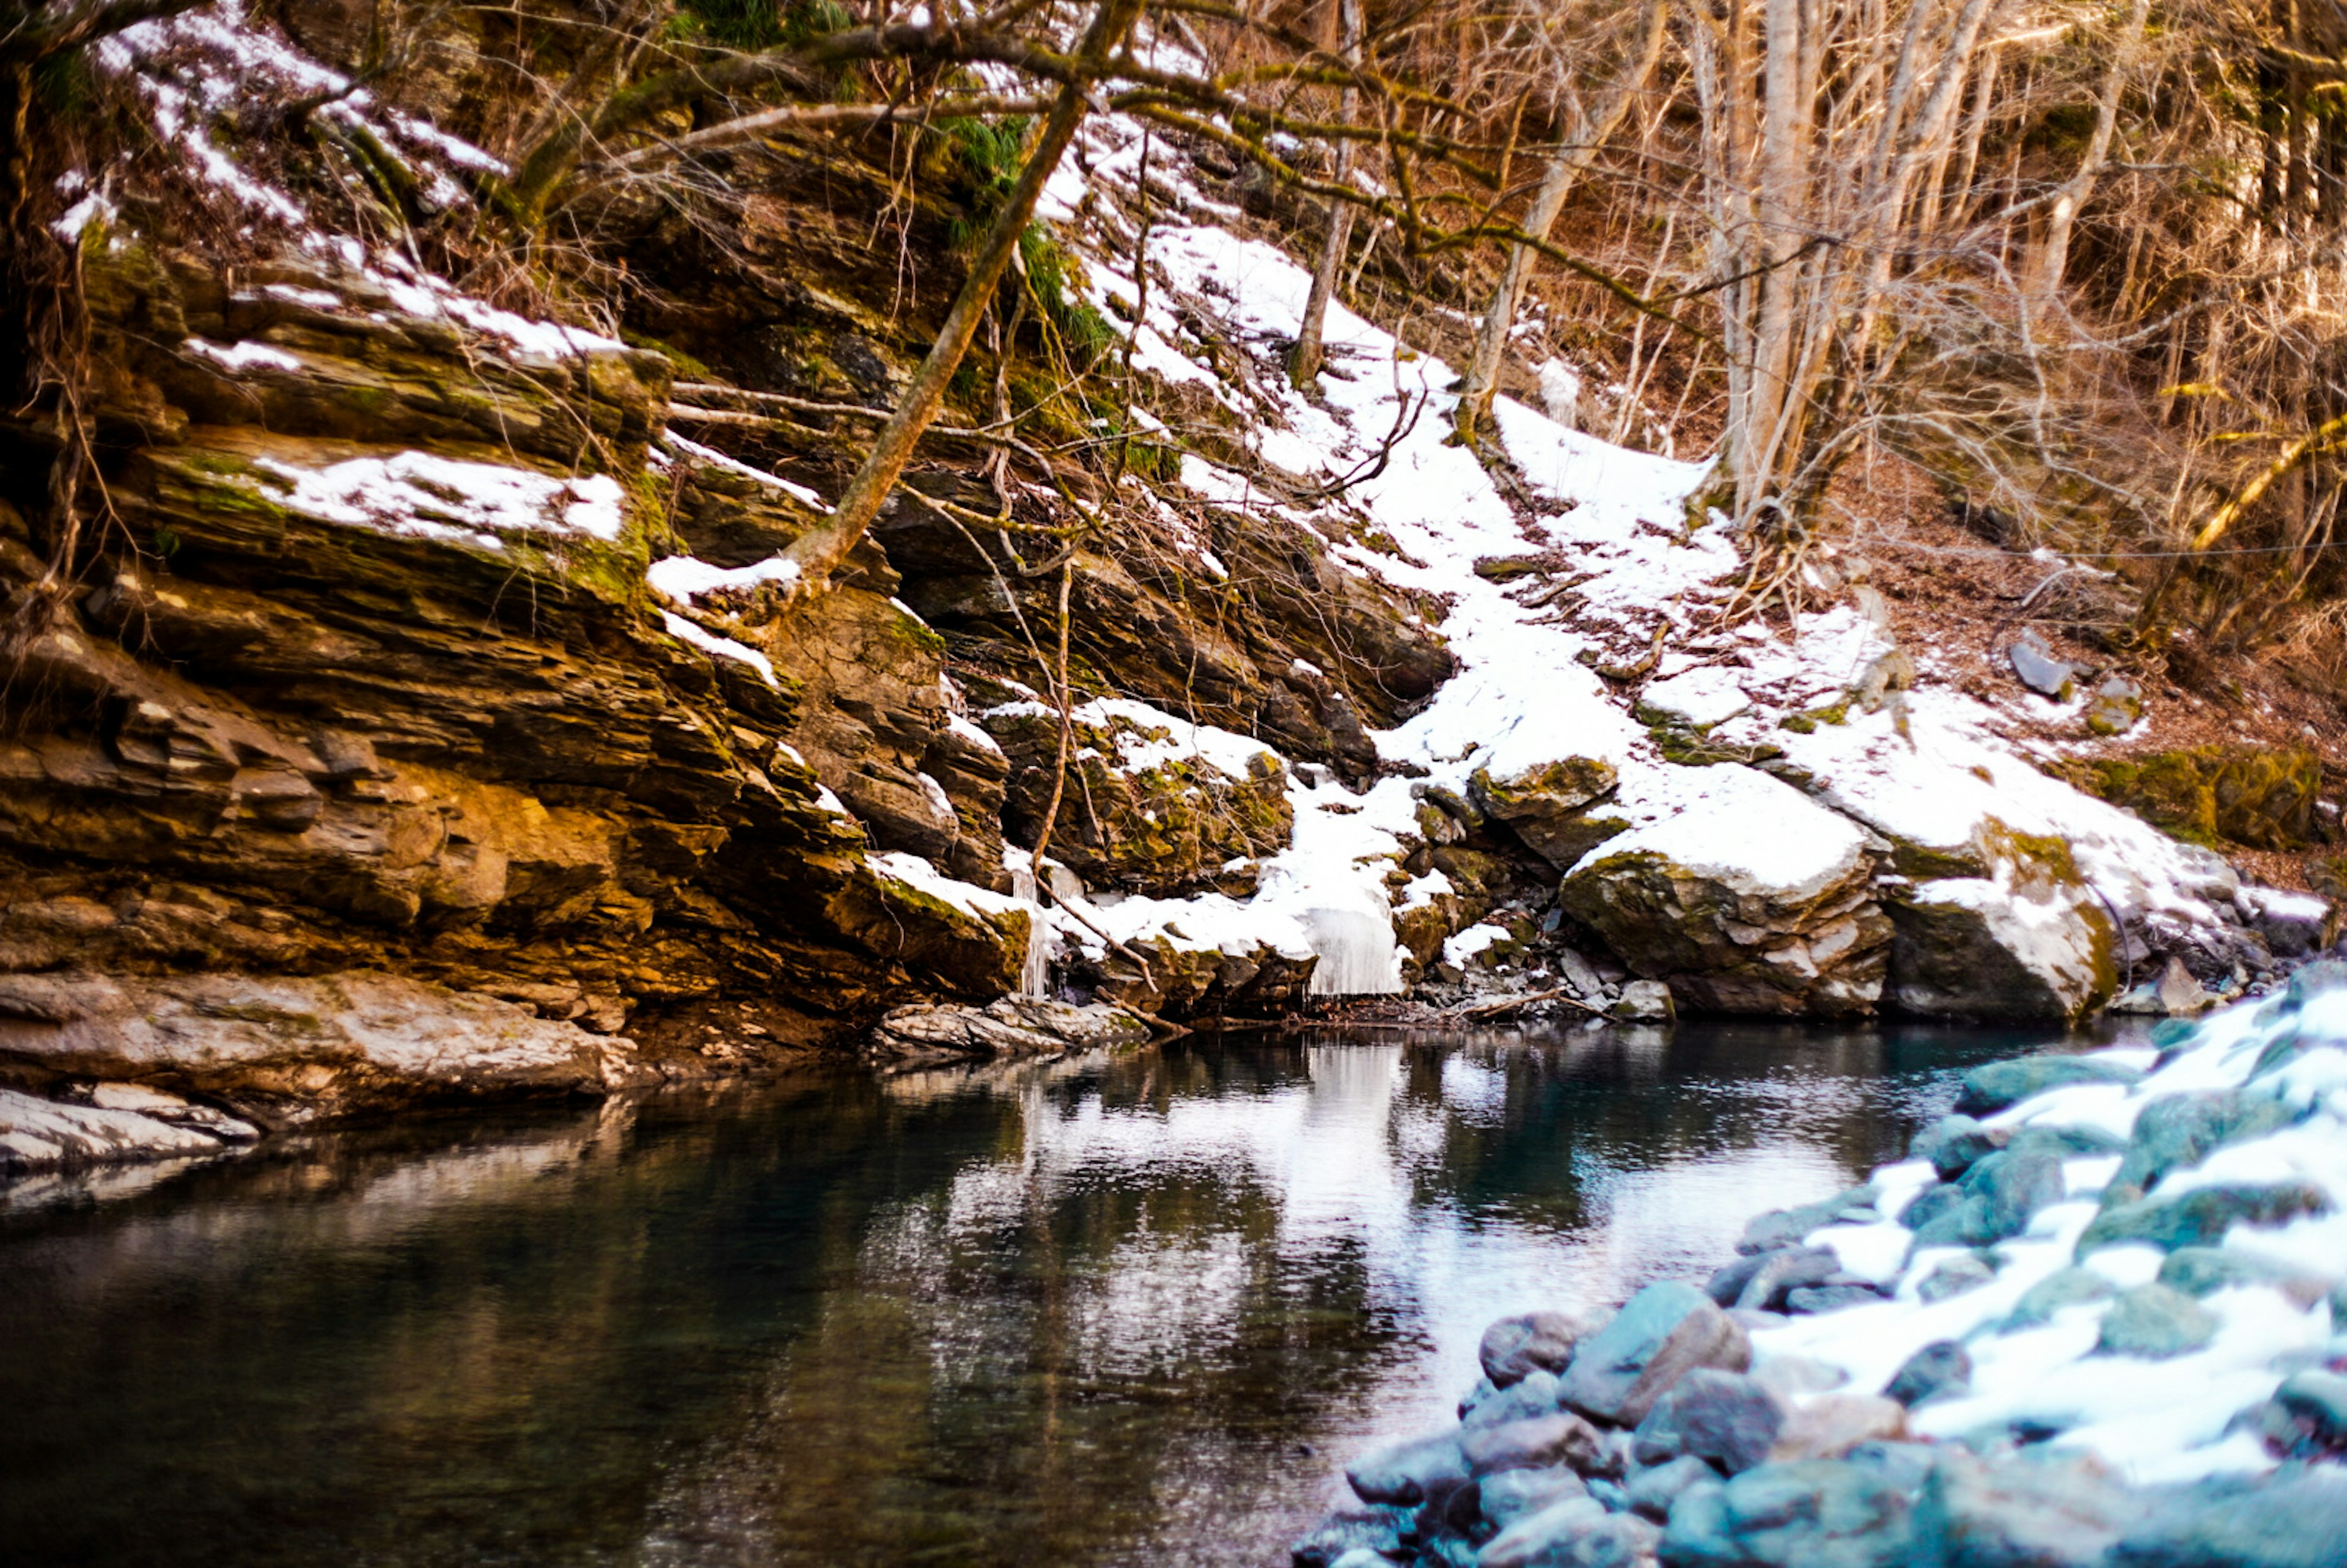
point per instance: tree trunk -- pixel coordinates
(1304, 360)
(2043, 278)
(822, 549)
(1565, 167)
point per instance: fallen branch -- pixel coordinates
(1508, 1004)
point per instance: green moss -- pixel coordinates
(2214, 796)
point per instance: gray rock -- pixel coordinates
(1722, 1417)
(2177, 1131)
(1511, 1495)
(1954, 1142)
(2041, 1508)
(1533, 1444)
(1832, 1425)
(1576, 1533)
(1662, 1333)
(2178, 993)
(1643, 1001)
(1761, 1280)
(1813, 1514)
(1930, 1203)
(1536, 1395)
(1412, 1472)
(1955, 1276)
(2116, 707)
(1970, 1221)
(2013, 1185)
(2155, 1322)
(1005, 1029)
(2041, 671)
(2068, 1287)
(2317, 1398)
(1943, 1366)
(1529, 1342)
(1812, 1300)
(2202, 1216)
(1355, 1528)
(130, 1122)
(1784, 1228)
(2296, 1520)
(2200, 1270)
(1651, 1491)
(1999, 1084)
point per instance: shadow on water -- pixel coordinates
(1119, 1310)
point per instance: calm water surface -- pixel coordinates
(1133, 1309)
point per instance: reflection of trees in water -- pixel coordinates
(1063, 1312)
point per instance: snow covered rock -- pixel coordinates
(2031, 941)
(1738, 917)
(1545, 806)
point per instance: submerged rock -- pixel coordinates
(1012, 1026)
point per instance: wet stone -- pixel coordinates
(1662, 1333)
(1533, 1444)
(1999, 1084)
(1805, 1515)
(1953, 1277)
(2201, 1217)
(1533, 1342)
(2319, 1398)
(1488, 1406)
(1722, 1417)
(1812, 1300)
(1511, 1495)
(2044, 1509)
(2155, 1322)
(1651, 1491)
(2201, 1270)
(1832, 1425)
(1954, 1143)
(1943, 1366)
(1412, 1472)
(2067, 1288)
(2294, 1520)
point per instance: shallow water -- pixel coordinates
(1133, 1309)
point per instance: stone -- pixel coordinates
(2318, 1397)
(1736, 932)
(1533, 1443)
(1009, 1028)
(1784, 1228)
(2155, 1322)
(1652, 1491)
(1411, 1473)
(1955, 1275)
(1533, 1394)
(1761, 1280)
(1510, 1494)
(2000, 1084)
(2179, 995)
(2201, 1217)
(1930, 1203)
(1662, 1333)
(2260, 796)
(1813, 1299)
(2013, 949)
(1812, 1514)
(2115, 708)
(1577, 1533)
(2013, 1185)
(2065, 1287)
(2177, 1131)
(38, 1135)
(2294, 1519)
(2040, 671)
(1529, 1342)
(1729, 1419)
(1943, 1366)
(1832, 1425)
(2200, 1270)
(2039, 1509)
(1355, 1527)
(1545, 806)
(1643, 1001)
(1954, 1142)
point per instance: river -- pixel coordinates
(1134, 1310)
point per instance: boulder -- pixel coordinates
(1737, 921)
(1356, 1527)
(1729, 1419)
(1662, 1333)
(2002, 951)
(1533, 1443)
(2201, 1270)
(39, 1135)
(2039, 1509)
(2041, 671)
(1990, 1089)
(1955, 1275)
(2260, 796)
(2295, 1518)
(1812, 1299)
(2155, 1322)
(1411, 1473)
(1652, 1492)
(1534, 1394)
(1813, 1514)
(1513, 1347)
(2317, 1398)
(1546, 805)
(1954, 1142)
(1943, 1366)
(1511, 1495)
(1832, 1425)
(1763, 1280)
(2201, 1217)
(1577, 1533)
(285, 1051)
(2065, 1287)
(1009, 1028)
(2177, 1131)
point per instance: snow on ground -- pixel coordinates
(2052, 1370)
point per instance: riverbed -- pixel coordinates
(1128, 1309)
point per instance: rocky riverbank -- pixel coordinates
(2098, 1318)
(427, 722)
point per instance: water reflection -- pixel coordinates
(1133, 1309)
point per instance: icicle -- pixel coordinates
(1358, 955)
(1035, 972)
